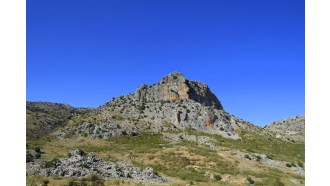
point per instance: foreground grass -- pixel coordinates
(183, 163)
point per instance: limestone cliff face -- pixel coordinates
(173, 103)
(175, 87)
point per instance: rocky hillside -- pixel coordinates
(174, 132)
(44, 117)
(291, 128)
(174, 103)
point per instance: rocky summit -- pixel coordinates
(174, 88)
(173, 132)
(173, 103)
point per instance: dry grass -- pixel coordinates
(181, 163)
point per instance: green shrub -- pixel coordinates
(51, 163)
(29, 158)
(38, 155)
(247, 157)
(73, 183)
(217, 177)
(249, 179)
(45, 182)
(288, 165)
(37, 149)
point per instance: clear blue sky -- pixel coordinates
(250, 53)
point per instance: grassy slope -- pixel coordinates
(185, 162)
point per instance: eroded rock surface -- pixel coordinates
(79, 164)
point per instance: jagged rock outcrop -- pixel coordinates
(79, 164)
(175, 87)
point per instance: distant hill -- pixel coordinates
(43, 117)
(292, 128)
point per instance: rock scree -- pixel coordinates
(79, 164)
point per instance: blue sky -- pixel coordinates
(250, 53)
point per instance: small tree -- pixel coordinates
(249, 179)
(37, 149)
(217, 177)
(288, 165)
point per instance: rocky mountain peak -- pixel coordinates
(173, 77)
(173, 103)
(175, 87)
